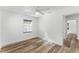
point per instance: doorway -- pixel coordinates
(71, 24)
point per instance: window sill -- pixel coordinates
(28, 32)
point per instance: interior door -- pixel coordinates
(72, 26)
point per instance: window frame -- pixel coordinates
(27, 26)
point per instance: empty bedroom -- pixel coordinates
(39, 29)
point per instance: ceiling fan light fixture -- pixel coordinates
(37, 13)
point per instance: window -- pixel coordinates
(27, 26)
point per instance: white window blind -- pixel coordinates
(27, 26)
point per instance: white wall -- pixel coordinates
(52, 24)
(0, 30)
(12, 27)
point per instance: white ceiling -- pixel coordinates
(30, 10)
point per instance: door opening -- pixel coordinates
(71, 24)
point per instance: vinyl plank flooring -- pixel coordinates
(23, 46)
(30, 47)
(12, 46)
(36, 45)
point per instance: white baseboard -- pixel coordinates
(17, 41)
(51, 41)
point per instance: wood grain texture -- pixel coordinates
(35, 45)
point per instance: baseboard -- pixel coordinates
(18, 42)
(0, 49)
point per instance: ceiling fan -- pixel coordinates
(37, 10)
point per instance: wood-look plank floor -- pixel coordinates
(35, 45)
(31, 46)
